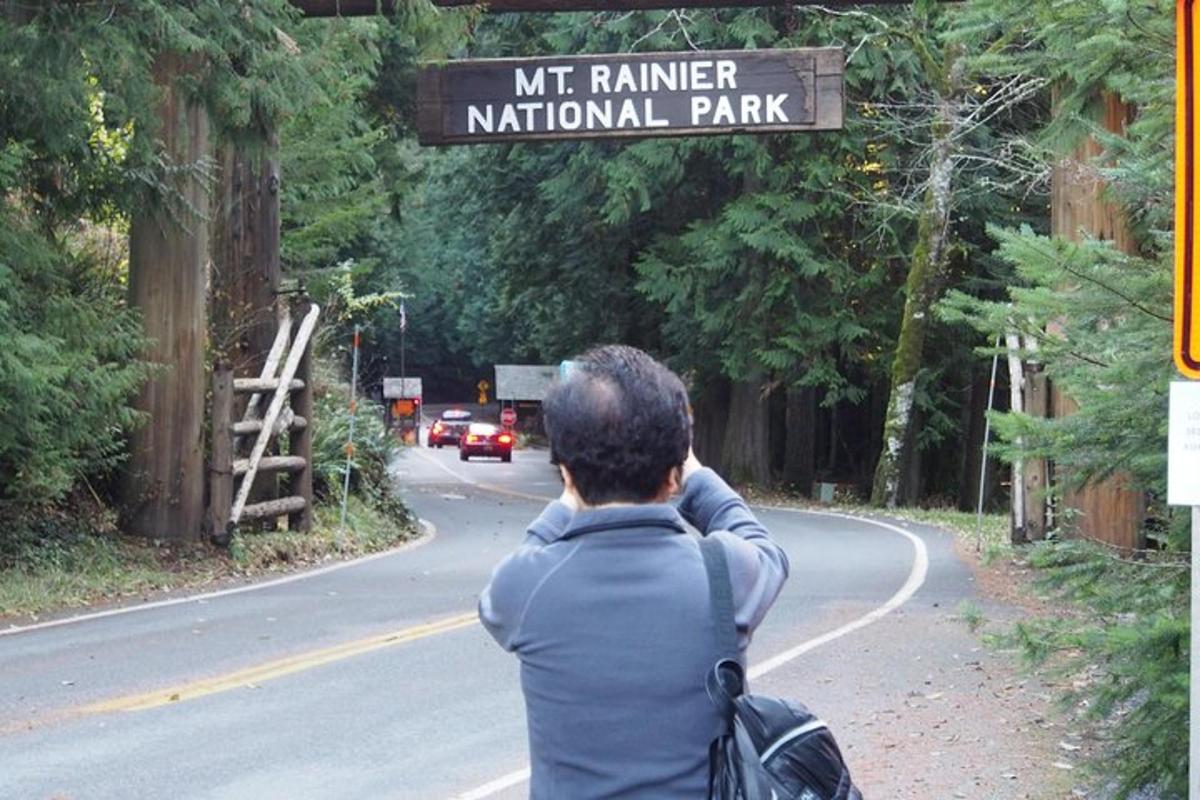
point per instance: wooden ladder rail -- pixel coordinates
(296, 354)
(274, 356)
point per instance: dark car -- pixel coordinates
(450, 428)
(486, 440)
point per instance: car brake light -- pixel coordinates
(505, 439)
(437, 426)
(472, 439)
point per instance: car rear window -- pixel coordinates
(456, 414)
(482, 429)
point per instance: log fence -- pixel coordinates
(289, 411)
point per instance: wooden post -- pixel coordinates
(301, 443)
(1037, 404)
(220, 486)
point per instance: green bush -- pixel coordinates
(1123, 643)
(69, 369)
(374, 447)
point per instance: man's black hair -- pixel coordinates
(619, 424)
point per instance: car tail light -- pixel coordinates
(437, 427)
(472, 439)
(505, 439)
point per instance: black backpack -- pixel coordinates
(773, 749)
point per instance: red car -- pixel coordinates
(450, 428)
(486, 440)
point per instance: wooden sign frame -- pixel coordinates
(688, 93)
(363, 8)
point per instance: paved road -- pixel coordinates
(373, 681)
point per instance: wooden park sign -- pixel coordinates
(630, 95)
(359, 8)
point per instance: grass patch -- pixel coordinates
(994, 535)
(73, 571)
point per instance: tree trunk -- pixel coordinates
(1109, 511)
(710, 413)
(163, 485)
(744, 453)
(925, 278)
(246, 271)
(245, 256)
(972, 421)
(800, 458)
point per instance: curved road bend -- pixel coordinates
(374, 681)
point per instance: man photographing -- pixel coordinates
(606, 603)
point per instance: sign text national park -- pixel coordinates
(631, 95)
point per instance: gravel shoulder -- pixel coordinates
(924, 709)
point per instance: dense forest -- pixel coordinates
(1002, 188)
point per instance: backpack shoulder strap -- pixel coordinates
(720, 592)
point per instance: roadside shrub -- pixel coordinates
(374, 447)
(69, 369)
(1123, 642)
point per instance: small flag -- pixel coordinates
(403, 317)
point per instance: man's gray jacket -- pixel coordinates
(608, 610)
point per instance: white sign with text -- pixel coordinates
(1183, 445)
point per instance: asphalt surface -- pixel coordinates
(330, 687)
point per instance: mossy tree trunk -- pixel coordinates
(926, 277)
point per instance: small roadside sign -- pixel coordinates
(401, 388)
(508, 417)
(1183, 445)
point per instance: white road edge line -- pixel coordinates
(425, 538)
(916, 578)
(497, 786)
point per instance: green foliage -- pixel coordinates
(333, 191)
(374, 447)
(68, 369)
(1124, 645)
(1111, 329)
(1097, 320)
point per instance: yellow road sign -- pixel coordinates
(1187, 262)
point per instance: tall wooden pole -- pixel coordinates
(163, 485)
(220, 491)
(1109, 510)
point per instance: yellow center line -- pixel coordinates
(253, 676)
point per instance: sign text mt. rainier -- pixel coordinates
(631, 95)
